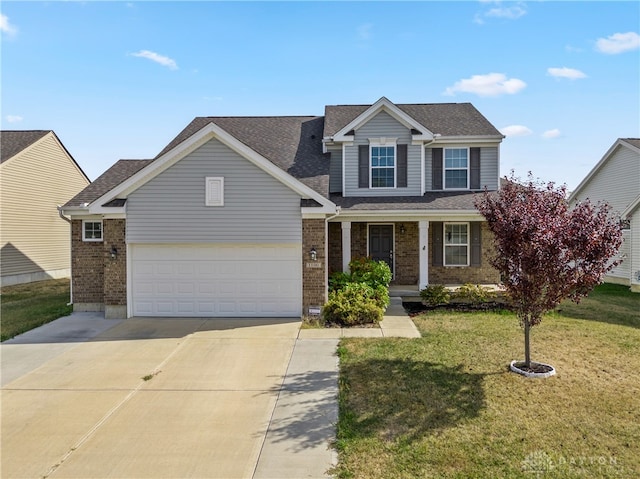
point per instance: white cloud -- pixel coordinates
(555, 133)
(515, 130)
(564, 72)
(156, 57)
(618, 43)
(365, 31)
(6, 26)
(14, 118)
(512, 12)
(492, 84)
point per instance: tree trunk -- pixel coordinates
(527, 350)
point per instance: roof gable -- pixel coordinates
(632, 144)
(383, 104)
(445, 119)
(182, 148)
(13, 142)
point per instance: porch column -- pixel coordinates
(423, 239)
(346, 245)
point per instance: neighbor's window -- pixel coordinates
(456, 168)
(91, 230)
(214, 191)
(456, 244)
(383, 166)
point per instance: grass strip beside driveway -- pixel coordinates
(445, 405)
(27, 306)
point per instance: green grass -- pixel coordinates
(445, 405)
(27, 306)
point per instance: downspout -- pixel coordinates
(61, 214)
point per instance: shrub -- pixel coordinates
(338, 280)
(374, 273)
(435, 294)
(473, 293)
(356, 303)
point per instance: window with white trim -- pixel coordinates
(214, 186)
(456, 168)
(91, 230)
(383, 166)
(456, 244)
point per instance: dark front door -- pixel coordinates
(381, 243)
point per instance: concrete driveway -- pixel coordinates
(167, 398)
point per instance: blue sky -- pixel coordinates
(121, 79)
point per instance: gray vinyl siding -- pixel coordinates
(382, 125)
(335, 170)
(634, 248)
(171, 207)
(35, 240)
(489, 165)
(617, 181)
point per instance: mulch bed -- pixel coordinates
(416, 308)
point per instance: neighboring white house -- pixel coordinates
(616, 180)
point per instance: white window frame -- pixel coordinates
(214, 191)
(445, 245)
(445, 169)
(384, 143)
(95, 240)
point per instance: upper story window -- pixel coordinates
(91, 230)
(456, 244)
(383, 166)
(456, 168)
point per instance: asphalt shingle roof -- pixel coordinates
(13, 142)
(108, 180)
(429, 201)
(633, 141)
(446, 119)
(292, 143)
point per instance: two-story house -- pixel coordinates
(248, 216)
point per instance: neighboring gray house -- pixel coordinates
(616, 180)
(248, 216)
(37, 174)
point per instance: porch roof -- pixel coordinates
(454, 201)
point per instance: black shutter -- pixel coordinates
(476, 244)
(363, 166)
(436, 239)
(402, 166)
(436, 168)
(475, 169)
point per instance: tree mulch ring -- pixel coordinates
(535, 370)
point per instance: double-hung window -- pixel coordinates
(383, 166)
(91, 230)
(456, 244)
(456, 168)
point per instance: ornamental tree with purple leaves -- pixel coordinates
(544, 250)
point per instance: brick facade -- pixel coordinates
(87, 270)
(115, 270)
(314, 288)
(450, 275)
(407, 256)
(99, 281)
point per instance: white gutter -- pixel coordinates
(61, 214)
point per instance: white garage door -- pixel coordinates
(217, 280)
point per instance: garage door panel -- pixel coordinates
(217, 280)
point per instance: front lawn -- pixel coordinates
(445, 405)
(27, 306)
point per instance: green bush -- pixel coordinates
(374, 273)
(356, 303)
(435, 294)
(358, 297)
(473, 293)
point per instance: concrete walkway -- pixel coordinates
(88, 397)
